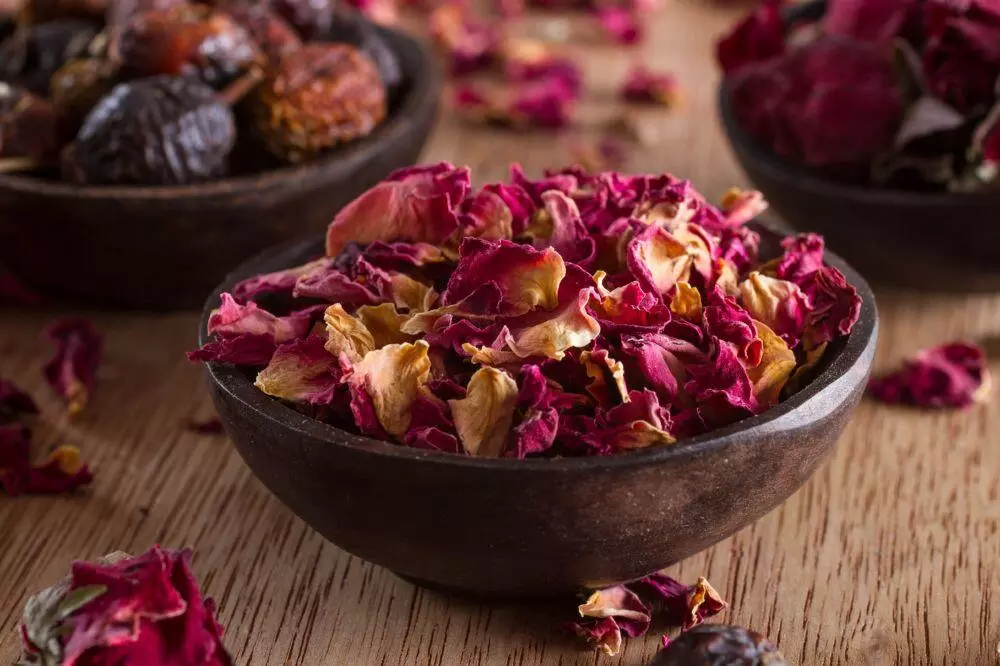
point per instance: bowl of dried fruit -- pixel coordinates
(539, 385)
(875, 124)
(147, 158)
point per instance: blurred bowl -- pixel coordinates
(544, 527)
(165, 247)
(927, 240)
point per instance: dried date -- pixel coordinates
(157, 131)
(275, 37)
(28, 126)
(78, 85)
(311, 18)
(30, 56)
(350, 28)
(719, 645)
(316, 98)
(186, 40)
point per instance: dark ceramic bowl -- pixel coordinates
(546, 527)
(941, 241)
(166, 247)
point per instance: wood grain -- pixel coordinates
(890, 555)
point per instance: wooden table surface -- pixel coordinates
(890, 555)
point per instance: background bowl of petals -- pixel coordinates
(929, 240)
(164, 247)
(545, 527)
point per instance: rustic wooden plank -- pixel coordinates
(888, 556)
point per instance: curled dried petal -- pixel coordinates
(483, 417)
(394, 377)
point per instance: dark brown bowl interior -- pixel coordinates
(940, 241)
(530, 528)
(166, 247)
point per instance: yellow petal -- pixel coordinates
(641, 435)
(411, 294)
(762, 296)
(727, 277)
(776, 365)
(686, 302)
(666, 259)
(394, 376)
(384, 323)
(346, 334)
(484, 416)
(572, 327)
(605, 373)
(68, 459)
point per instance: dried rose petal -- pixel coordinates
(527, 278)
(417, 204)
(760, 36)
(392, 378)
(249, 349)
(779, 304)
(63, 470)
(71, 372)
(279, 282)
(878, 21)
(620, 25)
(209, 426)
(954, 374)
(604, 634)
(471, 45)
(231, 319)
(646, 86)
(125, 610)
(483, 417)
(301, 371)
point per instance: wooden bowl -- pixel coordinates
(545, 527)
(166, 247)
(941, 241)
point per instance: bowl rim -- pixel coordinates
(852, 353)
(425, 83)
(799, 177)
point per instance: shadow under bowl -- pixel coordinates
(164, 248)
(542, 527)
(928, 240)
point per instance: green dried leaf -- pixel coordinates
(77, 599)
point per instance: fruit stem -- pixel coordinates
(241, 86)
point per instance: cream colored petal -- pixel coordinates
(346, 334)
(572, 327)
(776, 365)
(394, 376)
(686, 302)
(483, 417)
(384, 323)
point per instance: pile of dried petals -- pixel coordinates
(124, 610)
(576, 314)
(900, 93)
(61, 471)
(949, 375)
(540, 87)
(629, 609)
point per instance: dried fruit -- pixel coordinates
(186, 40)
(949, 375)
(317, 98)
(275, 37)
(311, 18)
(719, 645)
(350, 28)
(162, 130)
(124, 610)
(31, 56)
(29, 126)
(573, 315)
(77, 87)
